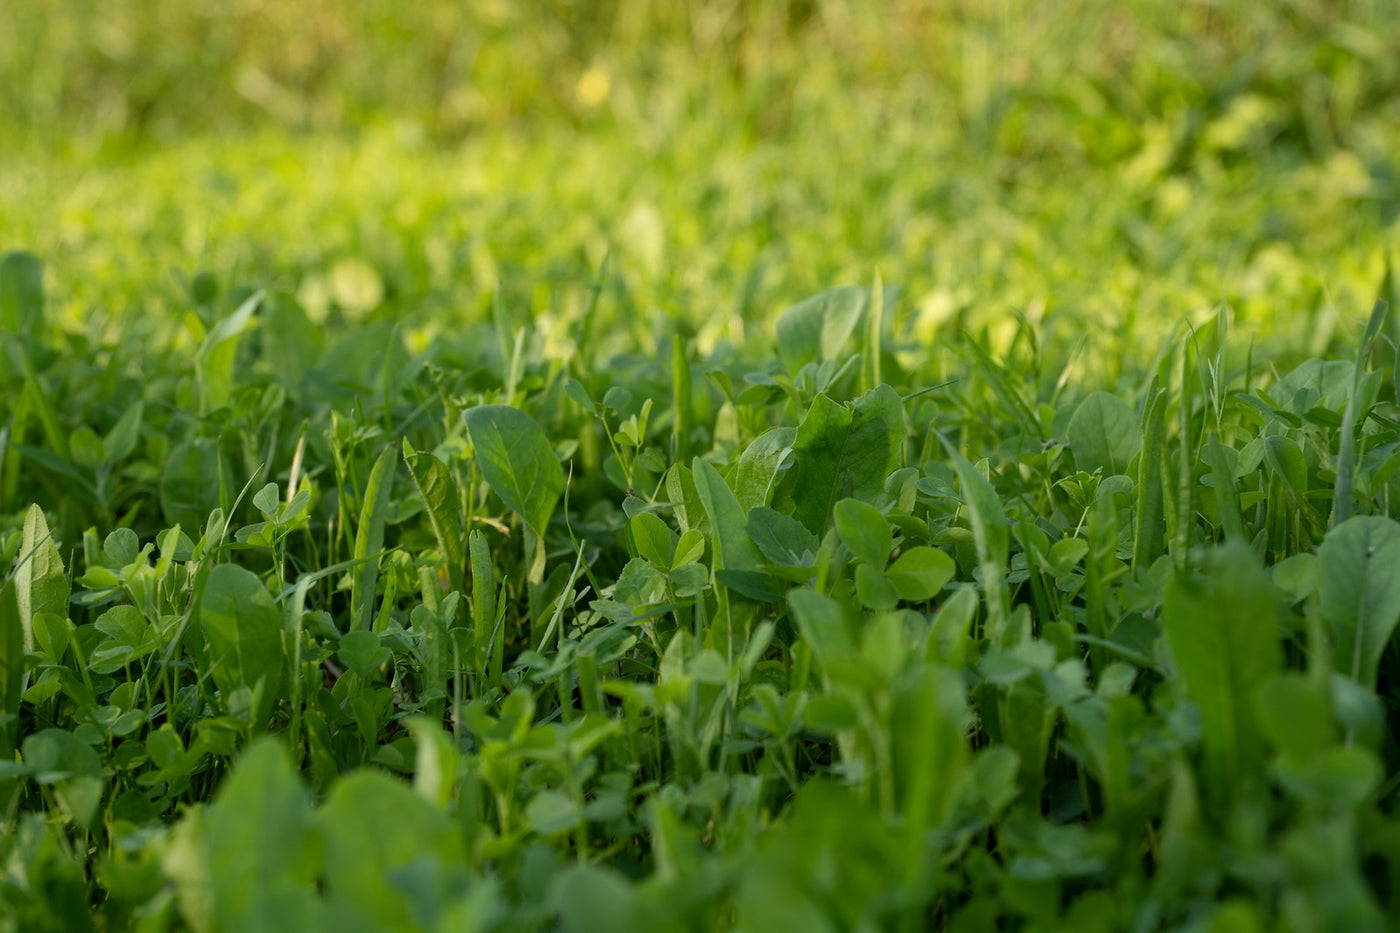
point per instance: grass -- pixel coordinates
(925, 465)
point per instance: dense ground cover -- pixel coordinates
(634, 466)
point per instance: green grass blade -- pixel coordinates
(1346, 442)
(369, 538)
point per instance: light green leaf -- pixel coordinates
(690, 548)
(732, 547)
(260, 854)
(121, 440)
(760, 465)
(1294, 715)
(369, 538)
(517, 460)
(378, 832)
(1223, 629)
(864, 531)
(781, 539)
(1104, 434)
(591, 899)
(40, 582)
(873, 590)
(1360, 592)
(816, 329)
(439, 492)
(843, 450)
(919, 573)
(363, 653)
(992, 538)
(655, 542)
(550, 813)
(243, 630)
(21, 293)
(215, 360)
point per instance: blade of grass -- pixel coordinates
(1346, 443)
(369, 538)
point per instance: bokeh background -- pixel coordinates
(1106, 169)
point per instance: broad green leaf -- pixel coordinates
(690, 548)
(690, 512)
(435, 762)
(440, 495)
(816, 329)
(864, 531)
(781, 539)
(1323, 382)
(1295, 716)
(760, 465)
(266, 501)
(290, 342)
(243, 630)
(379, 836)
(362, 652)
(121, 440)
(822, 622)
(21, 293)
(1360, 592)
(59, 759)
(260, 851)
(40, 582)
(517, 460)
(129, 636)
(931, 719)
(1104, 434)
(755, 584)
(1222, 629)
(873, 589)
(1285, 458)
(121, 547)
(655, 542)
(919, 573)
(951, 633)
(551, 813)
(215, 360)
(732, 547)
(841, 451)
(592, 899)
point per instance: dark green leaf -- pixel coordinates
(1223, 632)
(1104, 434)
(1360, 592)
(517, 460)
(843, 450)
(21, 293)
(243, 630)
(864, 531)
(781, 539)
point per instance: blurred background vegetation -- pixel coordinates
(1109, 163)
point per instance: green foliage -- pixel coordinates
(1051, 587)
